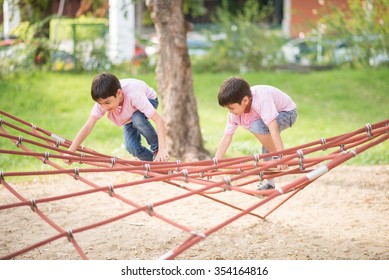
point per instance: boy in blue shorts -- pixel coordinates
(262, 109)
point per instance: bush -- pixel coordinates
(26, 54)
(83, 39)
(244, 44)
(87, 28)
(361, 31)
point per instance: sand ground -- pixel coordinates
(343, 215)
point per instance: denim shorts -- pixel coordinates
(285, 119)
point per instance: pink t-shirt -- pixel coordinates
(136, 97)
(266, 103)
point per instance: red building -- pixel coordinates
(70, 8)
(301, 16)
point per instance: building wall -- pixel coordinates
(305, 14)
(70, 7)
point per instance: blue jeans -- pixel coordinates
(141, 125)
(285, 119)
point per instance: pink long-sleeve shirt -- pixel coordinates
(136, 97)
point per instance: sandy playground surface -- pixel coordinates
(342, 215)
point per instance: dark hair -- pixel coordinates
(233, 90)
(104, 85)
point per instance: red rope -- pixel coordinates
(203, 178)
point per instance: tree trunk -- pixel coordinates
(175, 84)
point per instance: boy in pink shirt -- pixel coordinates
(129, 103)
(263, 110)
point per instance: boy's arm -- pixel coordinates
(223, 146)
(163, 154)
(275, 135)
(82, 134)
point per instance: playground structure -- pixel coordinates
(210, 179)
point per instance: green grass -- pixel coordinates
(329, 103)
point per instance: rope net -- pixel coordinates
(229, 183)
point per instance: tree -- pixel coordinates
(175, 84)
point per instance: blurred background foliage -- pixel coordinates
(238, 39)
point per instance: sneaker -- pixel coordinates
(265, 187)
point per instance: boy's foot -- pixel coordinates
(265, 187)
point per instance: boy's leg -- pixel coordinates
(267, 146)
(141, 126)
(267, 143)
(132, 142)
(262, 133)
(145, 128)
(142, 123)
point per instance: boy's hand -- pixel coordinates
(67, 161)
(280, 166)
(162, 156)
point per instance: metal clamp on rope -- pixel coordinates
(215, 161)
(200, 234)
(1, 121)
(185, 172)
(150, 209)
(228, 183)
(301, 159)
(76, 173)
(70, 234)
(261, 176)
(147, 166)
(110, 190)
(82, 155)
(1, 176)
(58, 138)
(240, 169)
(46, 158)
(341, 147)
(33, 126)
(276, 157)
(178, 162)
(20, 140)
(33, 204)
(280, 190)
(369, 129)
(256, 159)
(113, 161)
(57, 143)
(323, 142)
